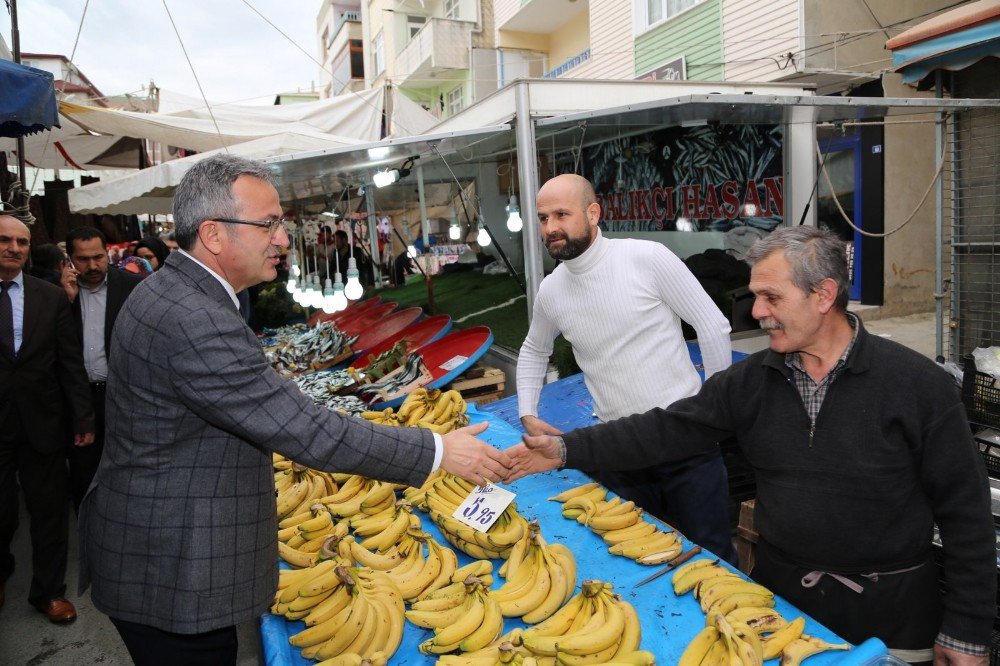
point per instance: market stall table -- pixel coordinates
(668, 622)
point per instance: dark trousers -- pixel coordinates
(149, 646)
(904, 610)
(691, 495)
(83, 460)
(43, 478)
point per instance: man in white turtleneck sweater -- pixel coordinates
(619, 303)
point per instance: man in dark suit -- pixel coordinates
(178, 531)
(96, 295)
(43, 391)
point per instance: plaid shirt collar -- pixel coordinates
(813, 393)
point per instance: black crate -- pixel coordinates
(981, 397)
(991, 456)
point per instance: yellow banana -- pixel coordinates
(691, 577)
(329, 607)
(429, 619)
(615, 522)
(323, 631)
(449, 565)
(631, 635)
(775, 644)
(446, 639)
(652, 543)
(532, 597)
(640, 529)
(566, 559)
(604, 637)
(574, 492)
(348, 632)
(759, 619)
(804, 647)
(667, 555)
(294, 557)
(557, 590)
(728, 588)
(391, 535)
(733, 601)
(488, 631)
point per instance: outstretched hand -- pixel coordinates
(533, 455)
(536, 426)
(474, 460)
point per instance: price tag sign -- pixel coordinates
(483, 506)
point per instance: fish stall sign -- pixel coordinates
(709, 177)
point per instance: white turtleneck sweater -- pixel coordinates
(620, 305)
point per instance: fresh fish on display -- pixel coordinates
(323, 386)
(301, 349)
(390, 385)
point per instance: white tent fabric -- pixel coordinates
(358, 117)
(72, 147)
(151, 190)
(408, 118)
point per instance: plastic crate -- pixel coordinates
(981, 397)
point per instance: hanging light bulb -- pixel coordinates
(317, 293)
(328, 300)
(483, 237)
(339, 300)
(411, 251)
(294, 269)
(454, 231)
(299, 295)
(353, 289)
(291, 284)
(514, 223)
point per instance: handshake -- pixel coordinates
(472, 459)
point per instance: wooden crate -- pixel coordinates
(746, 537)
(481, 384)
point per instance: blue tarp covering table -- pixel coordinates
(668, 622)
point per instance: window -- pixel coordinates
(414, 24)
(378, 54)
(650, 12)
(357, 59)
(451, 8)
(456, 100)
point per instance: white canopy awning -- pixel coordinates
(356, 117)
(151, 190)
(72, 147)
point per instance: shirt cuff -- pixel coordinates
(438, 451)
(961, 646)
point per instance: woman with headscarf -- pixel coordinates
(153, 250)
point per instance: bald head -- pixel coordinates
(15, 239)
(577, 187)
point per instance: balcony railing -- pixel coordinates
(441, 44)
(576, 60)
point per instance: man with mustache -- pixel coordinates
(96, 295)
(619, 303)
(860, 447)
(43, 398)
(178, 531)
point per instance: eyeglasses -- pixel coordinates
(271, 225)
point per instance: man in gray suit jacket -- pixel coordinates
(178, 531)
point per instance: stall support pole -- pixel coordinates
(527, 169)
(425, 225)
(373, 236)
(15, 42)
(939, 229)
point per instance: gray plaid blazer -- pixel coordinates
(178, 529)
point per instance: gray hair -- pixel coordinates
(206, 192)
(814, 254)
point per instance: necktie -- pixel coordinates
(6, 320)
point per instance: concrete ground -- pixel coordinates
(27, 638)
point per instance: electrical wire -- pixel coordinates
(195, 75)
(909, 218)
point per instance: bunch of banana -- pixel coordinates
(620, 524)
(348, 611)
(387, 416)
(742, 627)
(418, 496)
(298, 487)
(446, 494)
(360, 495)
(463, 616)
(414, 575)
(540, 578)
(307, 534)
(596, 626)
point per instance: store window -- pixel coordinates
(650, 12)
(378, 54)
(456, 100)
(451, 8)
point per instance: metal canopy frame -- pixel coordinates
(311, 175)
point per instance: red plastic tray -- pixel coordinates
(416, 335)
(449, 357)
(360, 323)
(352, 310)
(386, 327)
